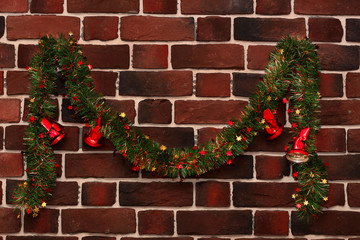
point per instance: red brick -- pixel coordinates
(7, 57)
(325, 29)
(269, 7)
(98, 238)
(100, 165)
(98, 6)
(212, 194)
(107, 56)
(213, 29)
(207, 111)
(160, 6)
(216, 7)
(25, 53)
(352, 84)
(105, 82)
(114, 220)
(98, 194)
(352, 30)
(46, 6)
(1, 193)
(229, 222)
(71, 141)
(2, 26)
(10, 110)
(156, 222)
(258, 56)
(268, 29)
(1, 137)
(18, 82)
(37, 26)
(108, 25)
(8, 221)
(14, 6)
(244, 84)
(223, 56)
(11, 165)
(271, 223)
(155, 111)
(330, 223)
(126, 106)
(150, 56)
(1, 83)
(39, 237)
(327, 7)
(45, 222)
(331, 85)
(331, 140)
(171, 137)
(353, 194)
(262, 194)
(147, 28)
(270, 167)
(336, 195)
(157, 238)
(346, 112)
(337, 57)
(342, 167)
(167, 83)
(163, 194)
(65, 194)
(353, 140)
(213, 85)
(207, 134)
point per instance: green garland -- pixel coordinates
(294, 64)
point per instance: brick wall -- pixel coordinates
(180, 69)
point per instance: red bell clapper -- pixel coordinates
(94, 138)
(297, 154)
(54, 130)
(273, 128)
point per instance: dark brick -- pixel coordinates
(114, 220)
(46, 6)
(213, 194)
(1, 137)
(150, 56)
(39, 237)
(1, 193)
(98, 238)
(213, 29)
(157, 238)
(148, 28)
(14, 137)
(325, 30)
(330, 223)
(216, 7)
(11, 165)
(71, 141)
(353, 194)
(270, 167)
(1, 83)
(105, 82)
(98, 194)
(25, 53)
(258, 57)
(98, 166)
(263, 194)
(65, 194)
(261, 144)
(68, 115)
(229, 222)
(45, 222)
(268, 29)
(331, 140)
(109, 28)
(352, 30)
(353, 140)
(337, 57)
(343, 167)
(212, 85)
(156, 222)
(223, 56)
(98, 6)
(160, 6)
(2, 26)
(8, 221)
(346, 112)
(327, 7)
(171, 137)
(331, 85)
(336, 195)
(271, 223)
(207, 134)
(207, 111)
(107, 56)
(15, 6)
(155, 111)
(156, 194)
(269, 7)
(244, 84)
(38, 26)
(7, 57)
(18, 82)
(352, 85)
(126, 106)
(167, 83)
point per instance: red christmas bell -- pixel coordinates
(54, 130)
(274, 128)
(94, 138)
(298, 154)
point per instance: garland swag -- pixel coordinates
(293, 66)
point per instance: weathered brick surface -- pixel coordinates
(336, 195)
(65, 194)
(269, 7)
(108, 26)
(105, 82)
(216, 7)
(46, 6)
(150, 56)
(11, 165)
(212, 85)
(107, 56)
(18, 82)
(98, 194)
(157, 222)
(1, 83)
(160, 6)
(25, 53)
(271, 223)
(126, 106)
(353, 192)
(98, 6)
(331, 140)
(353, 140)
(16, 6)
(45, 222)
(345, 167)
(244, 84)
(213, 29)
(325, 7)
(337, 57)
(346, 112)
(10, 110)
(352, 83)
(7, 58)
(325, 30)
(352, 30)
(8, 221)
(331, 85)
(213, 194)
(170, 137)
(2, 26)
(258, 56)
(207, 134)
(155, 111)
(40, 237)
(269, 167)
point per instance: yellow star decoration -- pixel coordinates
(162, 148)
(306, 202)
(319, 95)
(325, 198)
(281, 51)
(311, 175)
(238, 138)
(43, 204)
(297, 111)
(255, 133)
(153, 169)
(269, 98)
(71, 33)
(122, 115)
(324, 181)
(25, 184)
(262, 121)
(294, 196)
(32, 100)
(35, 215)
(147, 137)
(36, 210)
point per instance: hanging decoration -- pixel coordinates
(293, 67)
